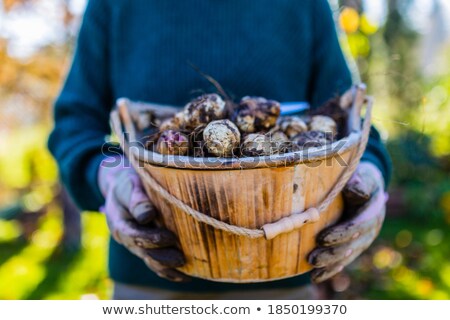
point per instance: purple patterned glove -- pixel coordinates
(340, 244)
(130, 214)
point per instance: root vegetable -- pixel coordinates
(324, 124)
(204, 109)
(197, 144)
(280, 142)
(311, 139)
(202, 129)
(256, 144)
(177, 122)
(256, 114)
(221, 137)
(279, 137)
(173, 143)
(292, 126)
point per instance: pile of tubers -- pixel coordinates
(209, 127)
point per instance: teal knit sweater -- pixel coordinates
(285, 50)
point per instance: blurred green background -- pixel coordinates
(402, 51)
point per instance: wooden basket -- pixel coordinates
(248, 219)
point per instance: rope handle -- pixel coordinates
(291, 223)
(268, 231)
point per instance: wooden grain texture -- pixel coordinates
(247, 198)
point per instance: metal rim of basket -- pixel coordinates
(278, 160)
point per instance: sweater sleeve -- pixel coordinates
(330, 76)
(81, 111)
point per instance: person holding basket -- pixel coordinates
(286, 50)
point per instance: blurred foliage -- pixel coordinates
(40, 269)
(408, 261)
(410, 258)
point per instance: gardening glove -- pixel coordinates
(130, 217)
(365, 209)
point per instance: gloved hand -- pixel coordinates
(130, 216)
(365, 209)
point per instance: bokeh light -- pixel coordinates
(349, 20)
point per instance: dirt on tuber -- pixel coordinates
(206, 127)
